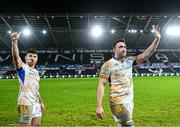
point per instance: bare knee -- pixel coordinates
(36, 121)
(23, 124)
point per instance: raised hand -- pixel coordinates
(15, 36)
(156, 30)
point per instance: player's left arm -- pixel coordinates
(42, 104)
(152, 48)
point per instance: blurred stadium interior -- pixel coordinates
(67, 48)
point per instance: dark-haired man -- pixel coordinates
(118, 71)
(30, 104)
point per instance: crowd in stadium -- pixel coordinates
(68, 64)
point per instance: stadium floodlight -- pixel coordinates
(173, 31)
(129, 31)
(133, 31)
(113, 31)
(44, 31)
(26, 32)
(9, 32)
(97, 31)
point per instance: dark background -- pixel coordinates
(91, 6)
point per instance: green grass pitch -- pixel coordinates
(72, 102)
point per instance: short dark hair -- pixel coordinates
(33, 51)
(120, 40)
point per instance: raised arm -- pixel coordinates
(15, 51)
(100, 94)
(152, 48)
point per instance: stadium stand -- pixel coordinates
(87, 64)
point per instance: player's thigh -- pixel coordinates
(122, 114)
(37, 113)
(25, 114)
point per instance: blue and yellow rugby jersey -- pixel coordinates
(29, 85)
(120, 79)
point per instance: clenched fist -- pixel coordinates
(15, 36)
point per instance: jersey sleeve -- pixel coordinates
(21, 72)
(105, 71)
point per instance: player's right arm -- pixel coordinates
(100, 94)
(104, 75)
(15, 51)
